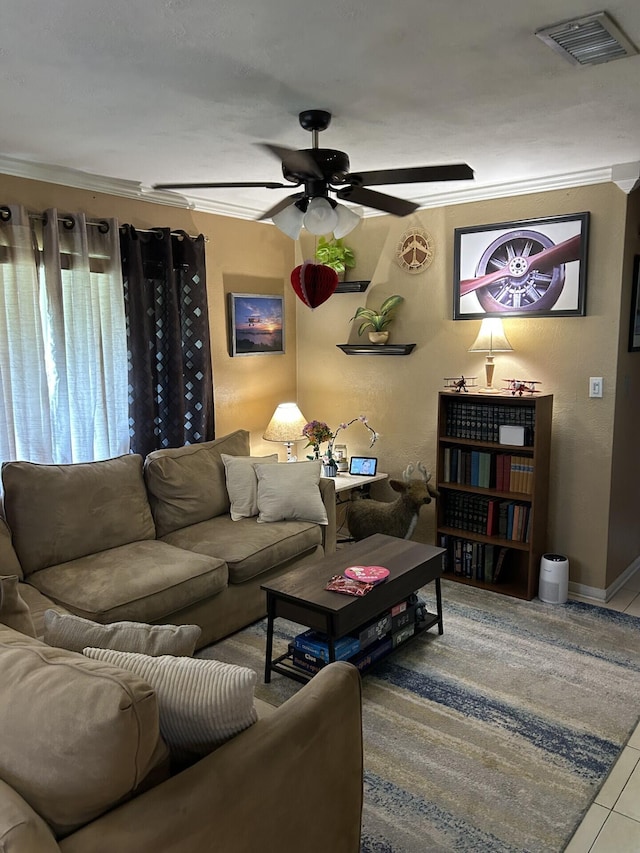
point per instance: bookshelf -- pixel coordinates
(494, 497)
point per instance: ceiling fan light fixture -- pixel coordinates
(320, 217)
(289, 221)
(347, 220)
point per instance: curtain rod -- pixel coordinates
(101, 224)
(177, 233)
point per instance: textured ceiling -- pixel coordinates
(180, 90)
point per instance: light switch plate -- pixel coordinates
(595, 386)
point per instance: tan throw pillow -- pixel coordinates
(242, 483)
(290, 491)
(13, 610)
(75, 633)
(202, 703)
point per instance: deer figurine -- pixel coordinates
(395, 518)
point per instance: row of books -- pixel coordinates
(310, 649)
(505, 472)
(504, 519)
(482, 421)
(475, 560)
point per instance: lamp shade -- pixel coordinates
(347, 221)
(491, 337)
(286, 425)
(289, 221)
(320, 217)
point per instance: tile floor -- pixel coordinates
(612, 824)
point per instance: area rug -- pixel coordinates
(495, 736)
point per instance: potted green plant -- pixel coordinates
(379, 320)
(333, 253)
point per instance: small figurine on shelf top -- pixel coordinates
(521, 386)
(459, 383)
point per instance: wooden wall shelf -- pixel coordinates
(376, 349)
(352, 286)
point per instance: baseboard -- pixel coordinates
(607, 594)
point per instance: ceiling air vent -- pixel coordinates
(589, 40)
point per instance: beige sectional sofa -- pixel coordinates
(84, 768)
(84, 763)
(152, 540)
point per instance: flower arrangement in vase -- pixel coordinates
(317, 432)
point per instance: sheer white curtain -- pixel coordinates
(25, 425)
(69, 395)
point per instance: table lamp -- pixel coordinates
(286, 426)
(491, 338)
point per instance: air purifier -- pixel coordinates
(554, 579)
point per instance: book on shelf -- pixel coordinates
(499, 565)
(484, 561)
(446, 465)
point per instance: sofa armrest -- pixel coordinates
(292, 781)
(328, 494)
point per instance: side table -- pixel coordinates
(347, 483)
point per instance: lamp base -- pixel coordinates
(489, 391)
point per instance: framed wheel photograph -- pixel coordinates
(528, 268)
(256, 324)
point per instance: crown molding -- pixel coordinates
(625, 175)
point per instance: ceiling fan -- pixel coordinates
(325, 170)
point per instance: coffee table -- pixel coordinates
(299, 595)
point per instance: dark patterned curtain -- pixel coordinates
(170, 377)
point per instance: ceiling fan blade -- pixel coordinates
(298, 162)
(269, 185)
(379, 201)
(280, 206)
(412, 175)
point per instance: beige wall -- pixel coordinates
(594, 489)
(624, 524)
(399, 394)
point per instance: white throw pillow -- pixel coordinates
(66, 631)
(290, 491)
(202, 703)
(242, 483)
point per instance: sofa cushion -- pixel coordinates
(9, 562)
(78, 735)
(38, 604)
(202, 703)
(187, 484)
(67, 631)
(290, 491)
(14, 611)
(21, 829)
(242, 483)
(58, 513)
(249, 548)
(140, 582)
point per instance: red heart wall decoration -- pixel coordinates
(314, 283)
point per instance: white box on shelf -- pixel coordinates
(511, 435)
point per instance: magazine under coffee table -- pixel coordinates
(301, 597)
